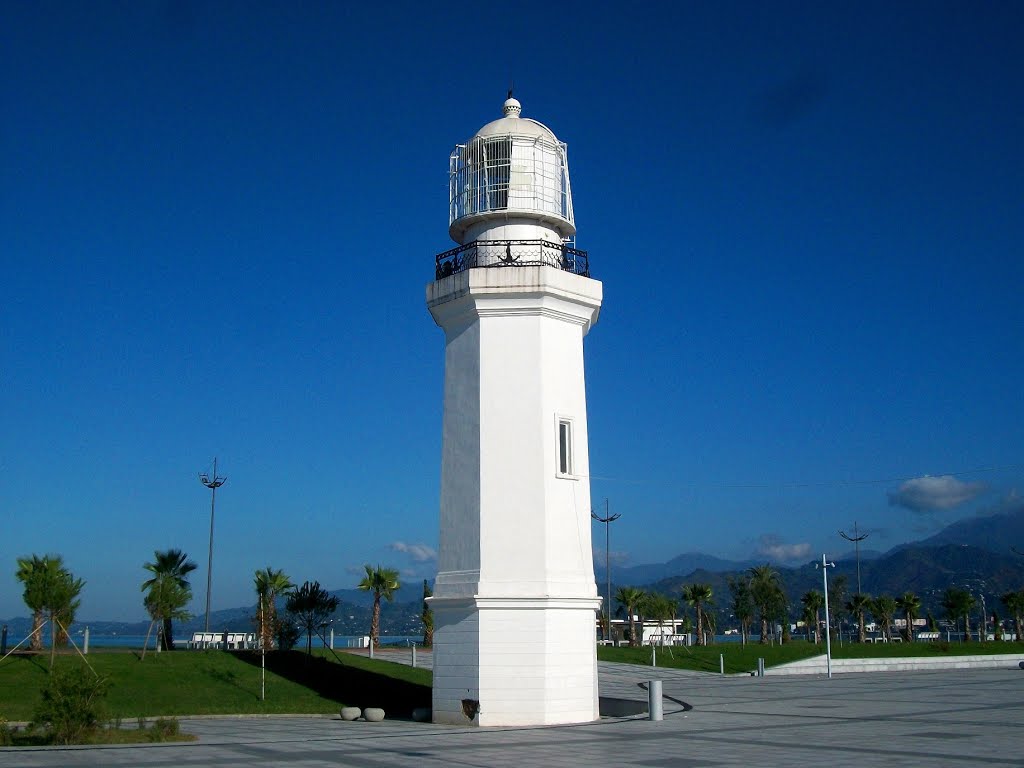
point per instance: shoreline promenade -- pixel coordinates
(938, 718)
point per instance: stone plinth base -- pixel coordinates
(514, 661)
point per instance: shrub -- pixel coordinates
(164, 728)
(6, 734)
(71, 705)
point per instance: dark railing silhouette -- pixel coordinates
(511, 253)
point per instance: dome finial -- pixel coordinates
(511, 108)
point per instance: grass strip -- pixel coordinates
(225, 683)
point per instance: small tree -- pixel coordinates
(170, 564)
(1014, 602)
(311, 605)
(269, 585)
(71, 705)
(767, 595)
(629, 599)
(383, 582)
(699, 596)
(883, 608)
(910, 605)
(165, 601)
(427, 617)
(742, 605)
(858, 605)
(958, 602)
(812, 601)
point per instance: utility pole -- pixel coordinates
(213, 482)
(607, 520)
(856, 538)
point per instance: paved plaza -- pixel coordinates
(954, 717)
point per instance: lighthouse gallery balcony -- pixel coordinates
(511, 253)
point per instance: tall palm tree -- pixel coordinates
(172, 564)
(958, 602)
(1014, 602)
(768, 596)
(698, 595)
(910, 605)
(629, 599)
(858, 605)
(813, 601)
(382, 582)
(883, 608)
(270, 584)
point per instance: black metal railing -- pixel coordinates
(511, 253)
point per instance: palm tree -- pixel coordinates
(858, 605)
(629, 599)
(427, 617)
(836, 601)
(742, 605)
(1014, 602)
(32, 574)
(172, 564)
(698, 595)
(382, 582)
(51, 592)
(311, 605)
(958, 602)
(269, 585)
(766, 592)
(910, 605)
(812, 601)
(883, 608)
(166, 599)
(662, 608)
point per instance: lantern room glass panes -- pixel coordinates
(509, 173)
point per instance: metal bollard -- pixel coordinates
(760, 667)
(85, 643)
(654, 700)
(414, 655)
(654, 656)
(371, 647)
(721, 663)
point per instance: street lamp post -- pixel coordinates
(856, 538)
(825, 565)
(213, 482)
(607, 520)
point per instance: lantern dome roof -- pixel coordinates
(512, 124)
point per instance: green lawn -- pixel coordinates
(926, 649)
(219, 682)
(740, 659)
(706, 659)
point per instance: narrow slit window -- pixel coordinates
(564, 447)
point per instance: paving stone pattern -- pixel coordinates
(942, 718)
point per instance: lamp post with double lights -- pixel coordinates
(213, 482)
(825, 565)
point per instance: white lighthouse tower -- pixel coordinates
(515, 600)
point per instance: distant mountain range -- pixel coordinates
(974, 552)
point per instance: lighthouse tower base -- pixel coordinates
(515, 661)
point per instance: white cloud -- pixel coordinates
(772, 547)
(927, 494)
(420, 553)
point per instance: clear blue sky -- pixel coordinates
(217, 221)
